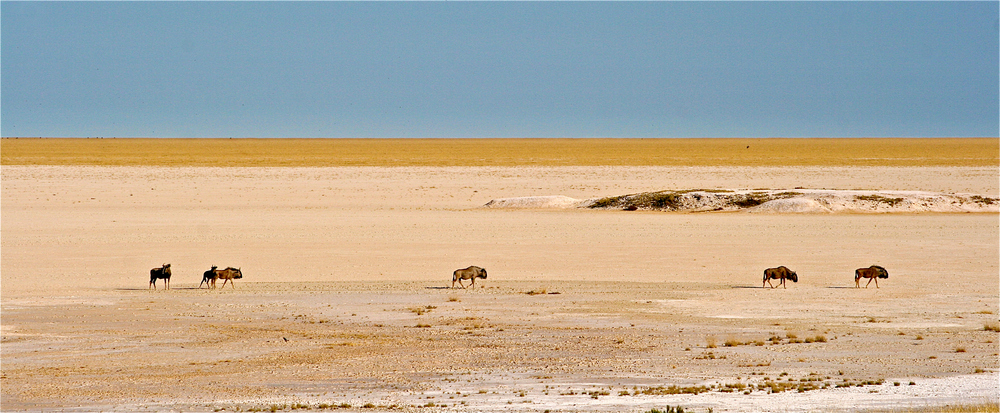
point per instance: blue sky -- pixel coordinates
(499, 69)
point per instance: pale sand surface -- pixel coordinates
(338, 260)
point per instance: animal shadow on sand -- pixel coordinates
(146, 289)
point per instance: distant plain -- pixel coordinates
(503, 152)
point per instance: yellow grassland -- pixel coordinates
(503, 152)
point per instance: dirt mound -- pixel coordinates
(767, 201)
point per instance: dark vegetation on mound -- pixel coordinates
(677, 200)
(879, 199)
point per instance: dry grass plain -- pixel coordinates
(348, 246)
(983, 152)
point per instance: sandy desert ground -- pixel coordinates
(346, 302)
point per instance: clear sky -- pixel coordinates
(500, 69)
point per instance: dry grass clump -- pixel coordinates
(668, 409)
(672, 389)
(422, 310)
(968, 408)
(984, 200)
(710, 342)
(813, 382)
(773, 340)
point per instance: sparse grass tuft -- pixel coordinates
(968, 408)
(672, 389)
(669, 409)
(422, 310)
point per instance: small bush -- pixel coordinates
(995, 327)
(984, 200)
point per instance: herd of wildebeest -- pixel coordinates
(227, 275)
(781, 274)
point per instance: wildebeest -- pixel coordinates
(208, 278)
(871, 273)
(227, 275)
(470, 273)
(160, 273)
(781, 273)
